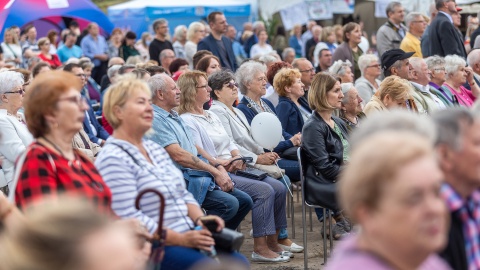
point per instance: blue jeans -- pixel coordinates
(177, 257)
(232, 207)
(291, 167)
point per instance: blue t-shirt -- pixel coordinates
(64, 53)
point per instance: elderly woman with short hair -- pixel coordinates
(342, 70)
(14, 133)
(394, 92)
(288, 84)
(396, 202)
(368, 84)
(457, 75)
(252, 82)
(352, 109)
(129, 164)
(268, 194)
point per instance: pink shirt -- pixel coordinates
(465, 97)
(348, 256)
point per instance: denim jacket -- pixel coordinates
(199, 182)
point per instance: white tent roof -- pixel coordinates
(138, 4)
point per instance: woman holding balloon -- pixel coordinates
(252, 83)
(268, 194)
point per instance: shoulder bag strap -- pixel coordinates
(14, 54)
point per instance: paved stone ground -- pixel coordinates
(315, 243)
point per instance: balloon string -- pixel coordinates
(284, 180)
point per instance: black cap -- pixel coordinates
(391, 56)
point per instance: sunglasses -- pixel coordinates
(231, 85)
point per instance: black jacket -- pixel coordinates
(323, 158)
(454, 253)
(444, 38)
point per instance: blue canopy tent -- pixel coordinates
(138, 15)
(21, 12)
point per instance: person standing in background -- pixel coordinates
(391, 34)
(160, 41)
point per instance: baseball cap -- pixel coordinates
(391, 56)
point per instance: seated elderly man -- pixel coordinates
(473, 61)
(427, 102)
(457, 154)
(210, 184)
(396, 62)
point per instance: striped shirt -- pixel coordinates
(126, 179)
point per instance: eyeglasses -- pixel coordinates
(439, 69)
(204, 86)
(262, 79)
(19, 91)
(79, 100)
(312, 70)
(376, 66)
(231, 85)
(81, 75)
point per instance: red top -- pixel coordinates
(54, 62)
(46, 173)
(106, 125)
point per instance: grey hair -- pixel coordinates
(395, 120)
(217, 79)
(267, 59)
(192, 28)
(346, 87)
(473, 57)
(434, 61)
(9, 81)
(246, 72)
(450, 125)
(416, 63)
(178, 32)
(256, 24)
(164, 53)
(366, 60)
(286, 51)
(391, 6)
(453, 64)
(113, 71)
(411, 17)
(133, 60)
(339, 67)
(157, 82)
(158, 22)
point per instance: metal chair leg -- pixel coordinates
(325, 236)
(292, 205)
(288, 205)
(304, 225)
(311, 222)
(331, 230)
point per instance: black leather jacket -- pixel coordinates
(323, 158)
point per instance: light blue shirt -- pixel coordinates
(92, 47)
(448, 15)
(169, 129)
(64, 53)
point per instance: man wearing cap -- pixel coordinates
(444, 38)
(390, 35)
(395, 62)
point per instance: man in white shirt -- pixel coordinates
(426, 101)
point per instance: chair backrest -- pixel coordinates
(302, 172)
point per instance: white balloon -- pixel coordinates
(266, 130)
